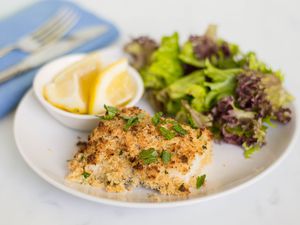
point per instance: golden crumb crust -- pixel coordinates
(112, 156)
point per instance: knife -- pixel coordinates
(53, 50)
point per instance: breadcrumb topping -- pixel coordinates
(111, 158)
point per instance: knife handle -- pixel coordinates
(12, 72)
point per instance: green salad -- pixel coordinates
(209, 82)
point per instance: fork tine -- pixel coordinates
(51, 23)
(61, 30)
(64, 22)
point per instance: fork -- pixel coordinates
(52, 30)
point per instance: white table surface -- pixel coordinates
(271, 28)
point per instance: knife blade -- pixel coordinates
(52, 51)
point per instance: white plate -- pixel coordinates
(46, 145)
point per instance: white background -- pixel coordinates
(271, 28)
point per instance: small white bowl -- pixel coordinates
(78, 121)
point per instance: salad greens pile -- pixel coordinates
(209, 82)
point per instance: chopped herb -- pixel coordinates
(131, 121)
(86, 174)
(148, 155)
(168, 134)
(166, 156)
(191, 122)
(179, 129)
(200, 181)
(156, 119)
(111, 112)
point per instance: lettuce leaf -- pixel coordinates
(186, 85)
(140, 49)
(165, 66)
(254, 64)
(219, 75)
(187, 56)
(223, 83)
(190, 87)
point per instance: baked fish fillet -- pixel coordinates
(119, 157)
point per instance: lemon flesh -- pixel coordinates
(113, 86)
(70, 89)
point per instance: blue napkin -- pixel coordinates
(24, 22)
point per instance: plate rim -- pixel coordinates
(114, 202)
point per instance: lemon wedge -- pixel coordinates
(70, 89)
(113, 86)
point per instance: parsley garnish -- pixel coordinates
(131, 121)
(111, 112)
(168, 134)
(191, 122)
(86, 174)
(148, 155)
(156, 118)
(178, 128)
(200, 181)
(166, 156)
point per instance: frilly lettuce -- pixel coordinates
(200, 48)
(209, 82)
(264, 95)
(140, 49)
